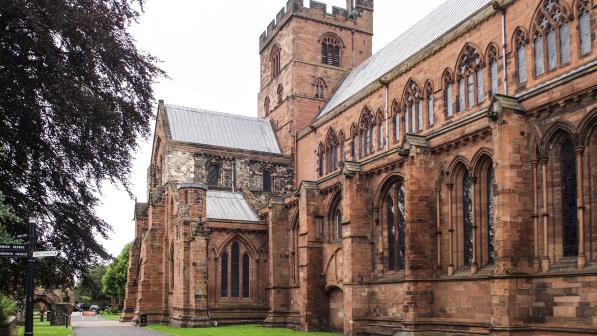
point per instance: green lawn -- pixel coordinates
(44, 329)
(242, 330)
(111, 317)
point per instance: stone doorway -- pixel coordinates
(336, 310)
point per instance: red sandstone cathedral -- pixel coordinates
(445, 185)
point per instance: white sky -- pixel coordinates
(210, 51)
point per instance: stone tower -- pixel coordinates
(305, 53)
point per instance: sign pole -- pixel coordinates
(30, 275)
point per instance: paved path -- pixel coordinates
(98, 326)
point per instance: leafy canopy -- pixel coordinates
(75, 97)
(114, 280)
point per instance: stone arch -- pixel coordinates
(452, 168)
(338, 267)
(492, 50)
(520, 35)
(467, 47)
(479, 160)
(251, 249)
(383, 187)
(587, 127)
(554, 131)
(335, 308)
(567, 13)
(325, 35)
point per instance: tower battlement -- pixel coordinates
(316, 10)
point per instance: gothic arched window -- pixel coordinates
(470, 78)
(294, 251)
(367, 126)
(319, 88)
(266, 104)
(490, 212)
(467, 203)
(354, 141)
(213, 174)
(335, 219)
(413, 108)
(520, 41)
(267, 181)
(584, 26)
(448, 94)
(395, 225)
(235, 270)
(330, 50)
(396, 114)
(321, 159)
(224, 275)
(280, 93)
(331, 151)
(342, 140)
(550, 25)
(381, 134)
(275, 60)
(430, 102)
(492, 60)
(246, 273)
(569, 198)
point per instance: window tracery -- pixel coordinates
(367, 127)
(470, 78)
(413, 108)
(394, 210)
(430, 104)
(330, 50)
(319, 88)
(550, 25)
(520, 42)
(584, 26)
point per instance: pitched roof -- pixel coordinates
(220, 129)
(226, 205)
(440, 21)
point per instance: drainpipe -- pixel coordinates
(352, 65)
(502, 9)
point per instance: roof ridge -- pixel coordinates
(223, 114)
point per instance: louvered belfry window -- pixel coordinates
(330, 50)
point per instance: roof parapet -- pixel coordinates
(316, 9)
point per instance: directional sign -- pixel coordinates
(13, 247)
(12, 254)
(22, 236)
(43, 254)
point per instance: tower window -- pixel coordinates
(330, 50)
(275, 60)
(319, 88)
(280, 93)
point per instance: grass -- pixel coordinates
(111, 317)
(242, 330)
(44, 329)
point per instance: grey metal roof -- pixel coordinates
(221, 129)
(440, 21)
(229, 206)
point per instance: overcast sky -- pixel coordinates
(210, 51)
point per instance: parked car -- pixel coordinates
(94, 308)
(81, 306)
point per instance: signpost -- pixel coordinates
(27, 251)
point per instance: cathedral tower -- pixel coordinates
(305, 53)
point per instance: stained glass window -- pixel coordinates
(490, 220)
(224, 275)
(246, 275)
(234, 270)
(396, 227)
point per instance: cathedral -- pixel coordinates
(445, 185)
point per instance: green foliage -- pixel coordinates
(75, 99)
(241, 330)
(7, 307)
(114, 280)
(89, 288)
(6, 216)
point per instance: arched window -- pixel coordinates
(396, 114)
(367, 126)
(224, 275)
(235, 271)
(551, 23)
(171, 267)
(213, 174)
(381, 134)
(246, 273)
(520, 41)
(413, 106)
(569, 198)
(330, 50)
(280, 93)
(467, 210)
(395, 225)
(448, 94)
(354, 141)
(321, 159)
(470, 78)
(492, 60)
(335, 219)
(331, 151)
(342, 140)
(266, 105)
(490, 221)
(430, 103)
(275, 60)
(319, 88)
(294, 251)
(267, 181)
(584, 26)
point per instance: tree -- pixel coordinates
(75, 98)
(114, 281)
(89, 288)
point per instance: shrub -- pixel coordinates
(7, 307)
